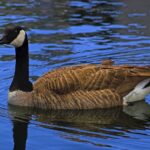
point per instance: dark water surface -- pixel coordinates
(67, 32)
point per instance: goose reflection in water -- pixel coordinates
(72, 124)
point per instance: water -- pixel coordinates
(67, 32)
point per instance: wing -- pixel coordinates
(92, 77)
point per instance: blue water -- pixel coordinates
(68, 32)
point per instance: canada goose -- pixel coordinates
(85, 86)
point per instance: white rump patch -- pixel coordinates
(18, 41)
(138, 93)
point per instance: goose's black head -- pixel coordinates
(14, 35)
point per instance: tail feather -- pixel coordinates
(140, 71)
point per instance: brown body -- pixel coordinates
(86, 86)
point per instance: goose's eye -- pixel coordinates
(15, 31)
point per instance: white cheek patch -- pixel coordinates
(18, 41)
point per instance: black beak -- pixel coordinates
(1, 41)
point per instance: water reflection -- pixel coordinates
(72, 124)
(20, 129)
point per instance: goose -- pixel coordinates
(85, 86)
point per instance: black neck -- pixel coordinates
(21, 77)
